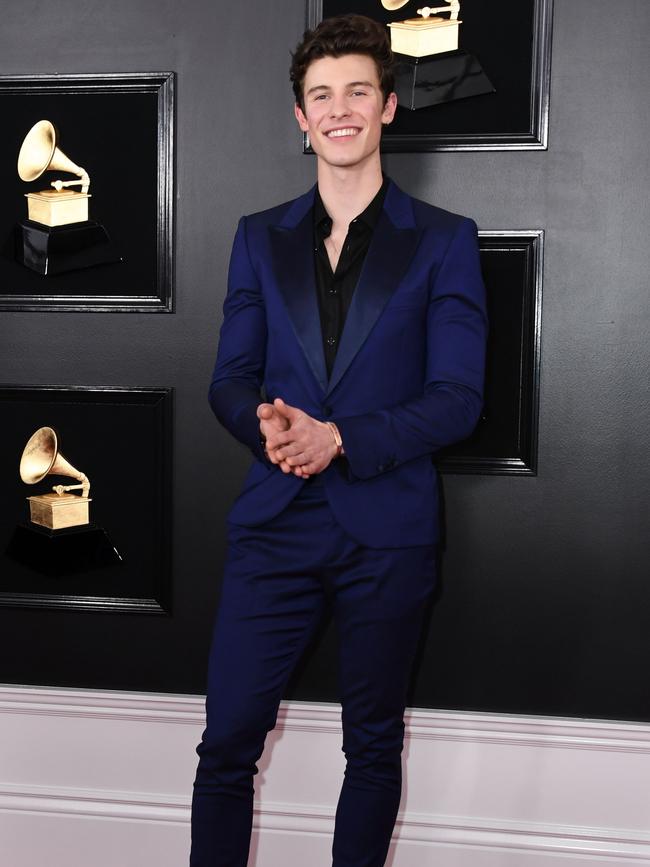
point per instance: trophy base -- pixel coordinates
(57, 249)
(421, 82)
(57, 207)
(422, 37)
(62, 552)
(58, 512)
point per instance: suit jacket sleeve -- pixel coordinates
(235, 390)
(450, 405)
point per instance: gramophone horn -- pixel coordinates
(393, 4)
(41, 457)
(39, 154)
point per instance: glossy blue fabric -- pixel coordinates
(408, 375)
(407, 380)
(277, 579)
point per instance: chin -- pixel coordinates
(341, 159)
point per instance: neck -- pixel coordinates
(346, 192)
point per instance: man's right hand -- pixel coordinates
(271, 422)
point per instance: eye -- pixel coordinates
(358, 93)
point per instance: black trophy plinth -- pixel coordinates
(424, 81)
(62, 552)
(54, 250)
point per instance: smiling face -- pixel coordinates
(344, 110)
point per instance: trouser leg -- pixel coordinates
(268, 611)
(379, 605)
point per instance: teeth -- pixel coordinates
(335, 133)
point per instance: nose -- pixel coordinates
(339, 106)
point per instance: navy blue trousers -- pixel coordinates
(273, 593)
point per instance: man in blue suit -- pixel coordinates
(352, 349)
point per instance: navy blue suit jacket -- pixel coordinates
(408, 375)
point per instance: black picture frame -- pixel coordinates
(506, 438)
(513, 45)
(121, 438)
(120, 128)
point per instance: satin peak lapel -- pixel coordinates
(292, 245)
(389, 255)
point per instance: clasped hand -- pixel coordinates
(295, 441)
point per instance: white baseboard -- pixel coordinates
(319, 820)
(488, 790)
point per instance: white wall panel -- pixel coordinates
(104, 778)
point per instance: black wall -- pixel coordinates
(544, 604)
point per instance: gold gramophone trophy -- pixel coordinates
(58, 235)
(59, 539)
(59, 509)
(430, 67)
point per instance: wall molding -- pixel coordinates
(305, 729)
(98, 803)
(458, 831)
(324, 717)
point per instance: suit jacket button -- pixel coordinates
(327, 411)
(380, 468)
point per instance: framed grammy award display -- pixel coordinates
(505, 439)
(85, 516)
(86, 168)
(469, 75)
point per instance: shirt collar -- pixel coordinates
(368, 217)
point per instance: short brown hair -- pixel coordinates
(335, 37)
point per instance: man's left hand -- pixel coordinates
(306, 446)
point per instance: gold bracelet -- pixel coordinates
(337, 437)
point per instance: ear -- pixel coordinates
(300, 117)
(390, 108)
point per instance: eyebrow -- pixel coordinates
(350, 84)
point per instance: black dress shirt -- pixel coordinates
(336, 288)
